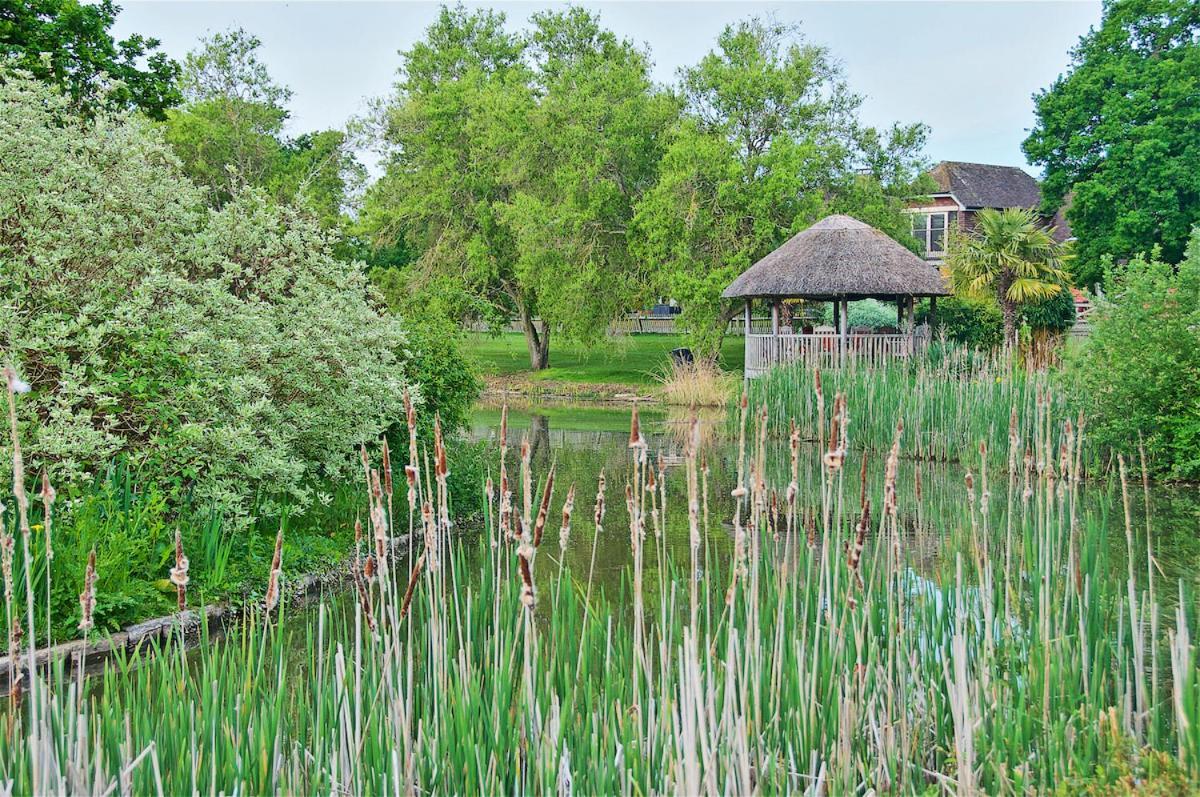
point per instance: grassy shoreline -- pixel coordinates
(630, 364)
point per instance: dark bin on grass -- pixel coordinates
(682, 356)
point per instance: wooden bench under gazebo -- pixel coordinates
(840, 260)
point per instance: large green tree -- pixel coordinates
(67, 43)
(516, 162)
(230, 132)
(770, 143)
(1117, 133)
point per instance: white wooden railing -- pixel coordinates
(824, 350)
(637, 323)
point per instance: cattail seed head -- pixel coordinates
(272, 598)
(87, 598)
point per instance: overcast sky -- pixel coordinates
(966, 69)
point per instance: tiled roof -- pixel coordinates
(983, 185)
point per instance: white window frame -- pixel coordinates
(929, 213)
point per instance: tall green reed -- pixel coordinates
(832, 654)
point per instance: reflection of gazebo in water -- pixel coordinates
(839, 259)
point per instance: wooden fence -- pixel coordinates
(641, 324)
(824, 350)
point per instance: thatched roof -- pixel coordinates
(839, 257)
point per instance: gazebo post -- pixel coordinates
(775, 317)
(747, 343)
(842, 327)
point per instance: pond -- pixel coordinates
(583, 440)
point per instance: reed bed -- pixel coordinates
(826, 655)
(949, 404)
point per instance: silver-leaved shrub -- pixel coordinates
(225, 353)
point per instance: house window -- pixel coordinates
(930, 230)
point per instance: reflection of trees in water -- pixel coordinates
(539, 439)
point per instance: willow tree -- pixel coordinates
(515, 161)
(1008, 254)
(769, 142)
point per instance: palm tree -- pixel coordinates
(1010, 255)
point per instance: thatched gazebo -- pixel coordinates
(840, 260)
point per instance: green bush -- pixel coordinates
(975, 323)
(1138, 375)
(979, 324)
(1055, 314)
(869, 313)
(225, 354)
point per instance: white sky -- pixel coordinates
(966, 69)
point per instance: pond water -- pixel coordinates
(583, 440)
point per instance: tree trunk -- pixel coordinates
(1009, 309)
(537, 341)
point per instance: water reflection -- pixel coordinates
(583, 440)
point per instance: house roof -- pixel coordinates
(839, 257)
(983, 185)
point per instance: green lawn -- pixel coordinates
(628, 360)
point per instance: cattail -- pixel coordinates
(87, 598)
(179, 573)
(811, 528)
(48, 494)
(379, 522)
(564, 533)
(505, 504)
(440, 469)
(525, 552)
(410, 418)
(601, 484)
(272, 598)
(985, 495)
(387, 470)
(412, 585)
(503, 429)
(636, 441)
(1027, 493)
(860, 536)
(526, 482)
(836, 453)
(543, 509)
(890, 470)
(528, 595)
(410, 476)
(364, 598)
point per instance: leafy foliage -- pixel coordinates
(1117, 134)
(230, 134)
(1008, 255)
(515, 163)
(223, 352)
(1138, 378)
(67, 43)
(770, 142)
